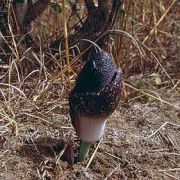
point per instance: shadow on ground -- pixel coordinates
(42, 147)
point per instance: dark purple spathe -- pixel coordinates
(97, 90)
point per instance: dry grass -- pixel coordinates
(142, 137)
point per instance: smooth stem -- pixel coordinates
(84, 150)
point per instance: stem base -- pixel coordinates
(84, 150)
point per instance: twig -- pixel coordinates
(93, 154)
(92, 43)
(171, 169)
(113, 156)
(157, 61)
(37, 117)
(13, 87)
(163, 125)
(110, 174)
(157, 98)
(171, 176)
(160, 20)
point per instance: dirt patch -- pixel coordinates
(129, 149)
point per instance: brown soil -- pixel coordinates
(129, 149)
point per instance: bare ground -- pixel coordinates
(131, 148)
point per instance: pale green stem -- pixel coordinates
(84, 150)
